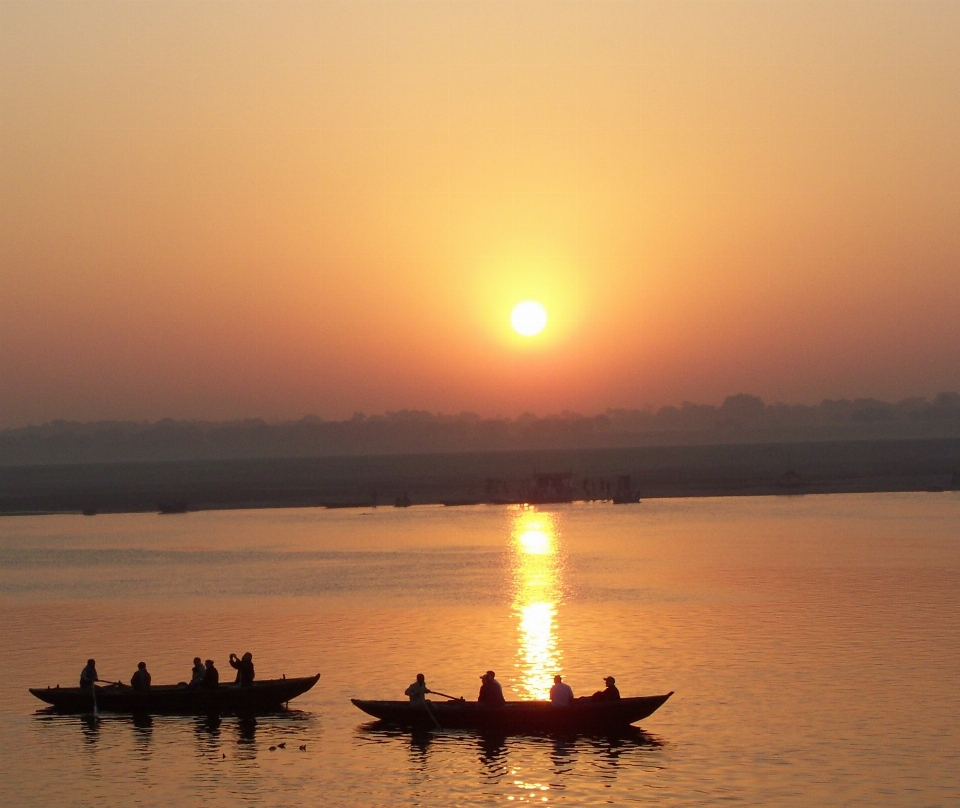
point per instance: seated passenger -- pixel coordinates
(561, 693)
(141, 679)
(196, 674)
(491, 693)
(418, 690)
(211, 676)
(244, 668)
(609, 693)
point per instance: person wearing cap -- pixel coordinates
(140, 680)
(418, 690)
(609, 693)
(561, 694)
(491, 694)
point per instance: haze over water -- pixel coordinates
(234, 210)
(812, 643)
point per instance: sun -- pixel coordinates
(528, 318)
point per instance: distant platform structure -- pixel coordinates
(549, 488)
(625, 495)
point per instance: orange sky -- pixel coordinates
(222, 210)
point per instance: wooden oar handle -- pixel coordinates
(452, 698)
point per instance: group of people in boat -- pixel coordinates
(561, 693)
(491, 693)
(204, 675)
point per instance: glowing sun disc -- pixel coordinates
(528, 318)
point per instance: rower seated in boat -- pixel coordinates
(609, 693)
(244, 668)
(418, 690)
(140, 681)
(491, 694)
(561, 694)
(89, 675)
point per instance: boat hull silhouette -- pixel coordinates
(516, 717)
(264, 696)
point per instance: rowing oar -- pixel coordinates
(93, 690)
(452, 698)
(426, 706)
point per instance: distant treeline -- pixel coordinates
(740, 419)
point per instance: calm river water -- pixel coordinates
(813, 644)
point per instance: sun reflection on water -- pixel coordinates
(537, 593)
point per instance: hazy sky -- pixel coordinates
(222, 210)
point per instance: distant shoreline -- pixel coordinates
(466, 504)
(741, 419)
(487, 477)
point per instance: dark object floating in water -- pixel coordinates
(516, 717)
(266, 696)
(89, 511)
(172, 507)
(303, 747)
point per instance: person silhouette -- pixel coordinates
(561, 693)
(418, 690)
(491, 693)
(211, 676)
(141, 679)
(244, 668)
(609, 693)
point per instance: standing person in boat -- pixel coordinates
(197, 674)
(491, 693)
(211, 676)
(418, 690)
(609, 693)
(89, 675)
(140, 680)
(561, 693)
(244, 668)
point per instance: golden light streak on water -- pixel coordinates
(537, 592)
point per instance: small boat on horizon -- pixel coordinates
(516, 717)
(263, 696)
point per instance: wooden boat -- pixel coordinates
(263, 696)
(516, 717)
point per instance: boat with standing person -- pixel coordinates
(263, 696)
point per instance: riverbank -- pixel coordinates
(473, 478)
